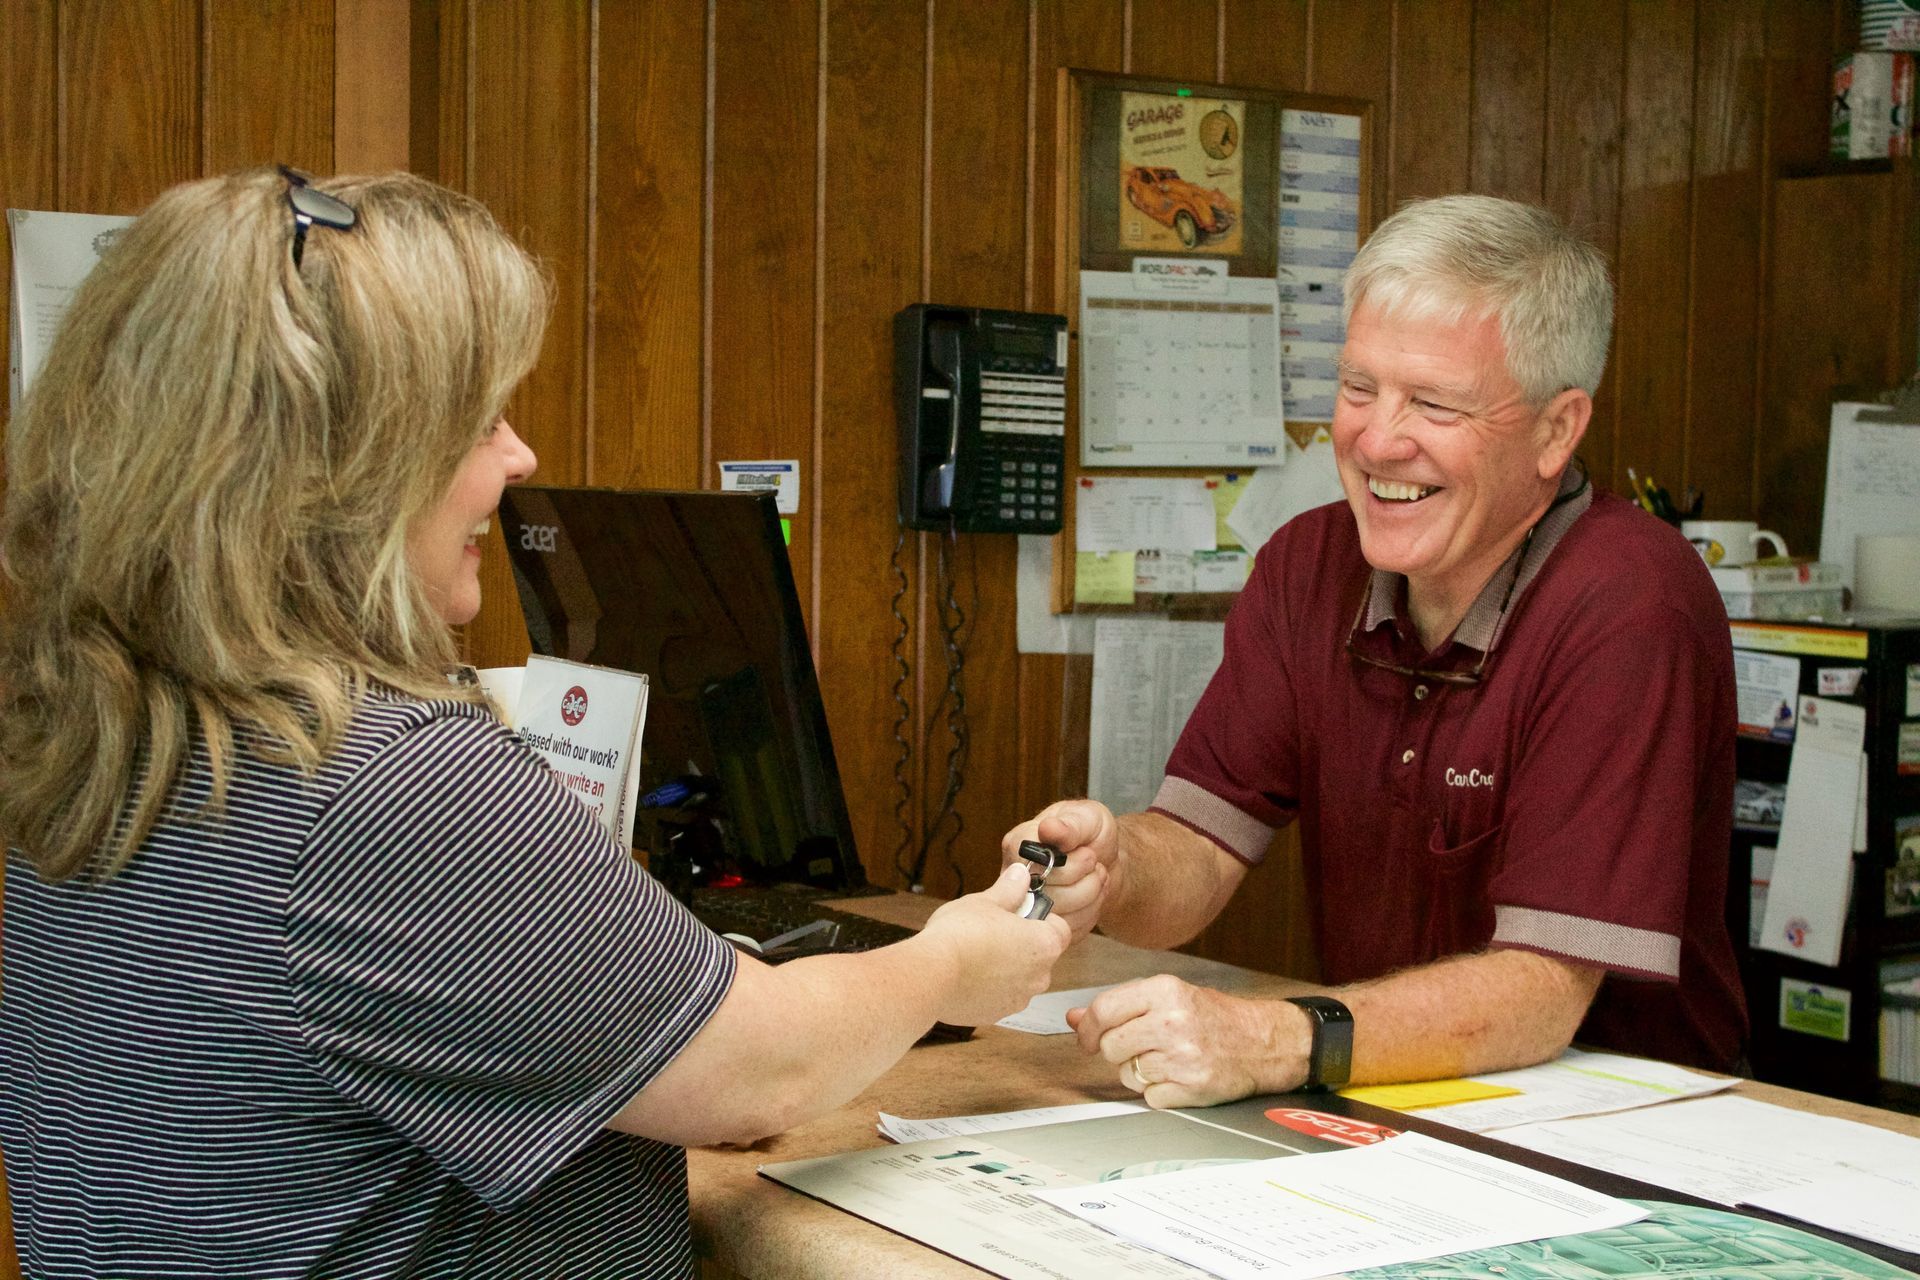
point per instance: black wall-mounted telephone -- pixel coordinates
(982, 402)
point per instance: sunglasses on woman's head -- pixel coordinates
(313, 208)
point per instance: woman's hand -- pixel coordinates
(1001, 961)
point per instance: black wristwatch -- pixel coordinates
(1331, 1059)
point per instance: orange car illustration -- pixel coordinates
(1193, 211)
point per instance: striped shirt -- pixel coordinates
(370, 1024)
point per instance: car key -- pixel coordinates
(1044, 858)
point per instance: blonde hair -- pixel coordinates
(1455, 257)
(210, 486)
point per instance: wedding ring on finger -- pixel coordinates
(1140, 1077)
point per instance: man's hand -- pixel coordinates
(1002, 960)
(1085, 833)
(1179, 1045)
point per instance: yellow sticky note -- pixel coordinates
(1103, 577)
(1428, 1093)
(1226, 490)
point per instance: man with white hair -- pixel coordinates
(1499, 703)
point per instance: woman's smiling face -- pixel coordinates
(443, 547)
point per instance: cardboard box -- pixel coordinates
(1890, 24)
(1872, 105)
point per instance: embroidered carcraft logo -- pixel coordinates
(1469, 778)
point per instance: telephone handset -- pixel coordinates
(982, 398)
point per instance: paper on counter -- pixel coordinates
(1813, 859)
(1577, 1083)
(1147, 675)
(1422, 1095)
(1883, 1208)
(1276, 495)
(900, 1129)
(1046, 1013)
(1409, 1198)
(1128, 513)
(1728, 1150)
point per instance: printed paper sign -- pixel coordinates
(52, 254)
(1814, 1009)
(781, 478)
(587, 721)
(1769, 686)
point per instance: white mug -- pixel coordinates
(1727, 544)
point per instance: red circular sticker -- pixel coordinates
(573, 705)
(1318, 1124)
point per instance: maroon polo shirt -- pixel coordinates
(1577, 802)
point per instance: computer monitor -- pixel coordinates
(694, 590)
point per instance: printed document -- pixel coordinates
(1728, 1150)
(1147, 675)
(1408, 1198)
(899, 1129)
(1813, 861)
(1577, 1083)
(52, 254)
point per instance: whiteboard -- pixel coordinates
(1873, 480)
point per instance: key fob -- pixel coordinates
(1037, 905)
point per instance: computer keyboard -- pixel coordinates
(763, 915)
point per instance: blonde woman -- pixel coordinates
(309, 968)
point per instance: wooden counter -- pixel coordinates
(746, 1225)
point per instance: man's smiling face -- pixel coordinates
(1444, 462)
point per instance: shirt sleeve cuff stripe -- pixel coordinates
(1614, 946)
(1246, 838)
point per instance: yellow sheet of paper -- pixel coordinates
(1103, 577)
(1226, 490)
(1427, 1093)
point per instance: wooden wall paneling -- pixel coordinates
(1352, 57)
(268, 85)
(440, 75)
(765, 169)
(528, 143)
(129, 115)
(977, 247)
(874, 137)
(1586, 68)
(1428, 146)
(1800, 51)
(1508, 110)
(1054, 695)
(1798, 93)
(1833, 271)
(1725, 252)
(1177, 39)
(1650, 364)
(370, 95)
(649, 226)
(1266, 43)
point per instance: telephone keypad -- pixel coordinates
(1023, 408)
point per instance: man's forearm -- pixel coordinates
(1467, 1014)
(1168, 884)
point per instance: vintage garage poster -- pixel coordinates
(1182, 166)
